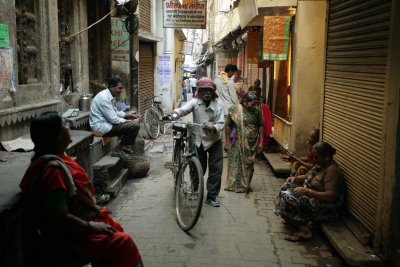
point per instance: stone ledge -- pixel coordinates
(348, 246)
(278, 165)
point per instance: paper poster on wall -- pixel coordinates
(222, 60)
(4, 36)
(7, 82)
(119, 40)
(187, 48)
(164, 69)
(276, 37)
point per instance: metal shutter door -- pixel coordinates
(144, 11)
(355, 73)
(146, 75)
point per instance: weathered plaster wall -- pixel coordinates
(308, 71)
(223, 23)
(7, 16)
(29, 100)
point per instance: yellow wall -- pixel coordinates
(276, 3)
(308, 70)
(308, 66)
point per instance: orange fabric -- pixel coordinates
(267, 117)
(117, 250)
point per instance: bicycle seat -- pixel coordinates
(180, 127)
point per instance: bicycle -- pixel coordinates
(188, 175)
(153, 118)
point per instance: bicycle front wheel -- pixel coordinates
(189, 194)
(177, 158)
(152, 123)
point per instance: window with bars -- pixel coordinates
(64, 13)
(28, 41)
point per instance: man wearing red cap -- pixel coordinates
(208, 111)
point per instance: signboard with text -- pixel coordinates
(119, 40)
(185, 16)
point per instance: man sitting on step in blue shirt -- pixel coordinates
(105, 120)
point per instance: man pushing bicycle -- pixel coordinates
(208, 111)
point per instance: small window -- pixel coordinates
(64, 28)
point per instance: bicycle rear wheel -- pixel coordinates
(189, 194)
(152, 123)
(162, 124)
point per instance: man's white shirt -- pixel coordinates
(103, 113)
(201, 114)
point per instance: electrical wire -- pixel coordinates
(91, 24)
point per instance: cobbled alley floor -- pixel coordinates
(244, 231)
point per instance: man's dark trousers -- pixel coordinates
(215, 165)
(126, 131)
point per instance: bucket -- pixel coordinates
(84, 102)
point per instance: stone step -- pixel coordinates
(98, 150)
(278, 165)
(106, 169)
(115, 186)
(349, 247)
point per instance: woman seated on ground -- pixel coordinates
(59, 204)
(314, 197)
(243, 127)
(301, 165)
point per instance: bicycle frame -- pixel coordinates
(188, 175)
(186, 139)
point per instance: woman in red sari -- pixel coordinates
(60, 206)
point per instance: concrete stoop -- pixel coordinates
(349, 247)
(98, 150)
(115, 186)
(278, 165)
(109, 175)
(339, 235)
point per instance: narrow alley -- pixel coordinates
(244, 231)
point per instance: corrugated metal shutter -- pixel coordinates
(146, 75)
(356, 58)
(145, 17)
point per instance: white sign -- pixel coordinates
(187, 48)
(222, 61)
(164, 69)
(187, 16)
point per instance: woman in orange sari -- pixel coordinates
(61, 210)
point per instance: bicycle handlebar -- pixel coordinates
(189, 123)
(169, 118)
